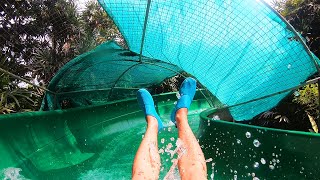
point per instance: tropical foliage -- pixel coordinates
(37, 37)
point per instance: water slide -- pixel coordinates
(241, 52)
(99, 142)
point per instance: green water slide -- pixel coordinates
(246, 58)
(99, 142)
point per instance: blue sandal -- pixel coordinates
(187, 92)
(147, 105)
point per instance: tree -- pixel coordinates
(37, 37)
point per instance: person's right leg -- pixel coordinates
(191, 163)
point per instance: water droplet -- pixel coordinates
(178, 95)
(215, 117)
(235, 177)
(161, 151)
(235, 171)
(296, 93)
(172, 138)
(212, 176)
(169, 129)
(256, 143)
(263, 161)
(271, 167)
(289, 66)
(238, 141)
(209, 160)
(253, 174)
(278, 161)
(246, 167)
(256, 165)
(162, 140)
(255, 178)
(248, 134)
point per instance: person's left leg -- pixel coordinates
(146, 164)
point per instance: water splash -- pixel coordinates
(180, 150)
(12, 173)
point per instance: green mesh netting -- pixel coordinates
(240, 51)
(104, 74)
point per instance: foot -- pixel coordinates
(187, 92)
(147, 105)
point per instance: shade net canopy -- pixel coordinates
(105, 74)
(240, 50)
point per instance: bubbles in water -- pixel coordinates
(271, 167)
(289, 66)
(248, 134)
(238, 141)
(256, 143)
(256, 165)
(263, 161)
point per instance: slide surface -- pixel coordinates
(99, 142)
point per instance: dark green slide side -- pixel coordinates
(99, 142)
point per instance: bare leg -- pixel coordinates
(146, 163)
(192, 164)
